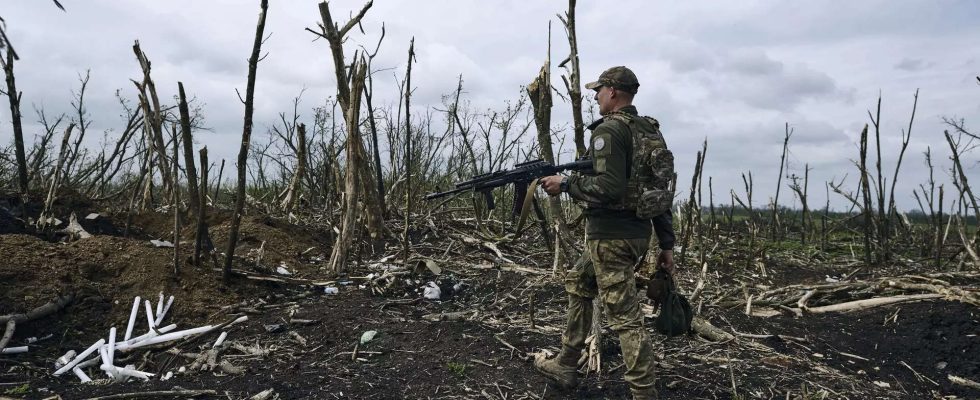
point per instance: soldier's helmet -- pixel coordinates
(620, 77)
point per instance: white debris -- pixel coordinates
(368, 336)
(81, 375)
(331, 290)
(63, 360)
(432, 291)
(221, 339)
(281, 270)
(93, 348)
(92, 216)
(14, 350)
(161, 243)
(75, 230)
(433, 267)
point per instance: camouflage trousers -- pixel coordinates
(606, 272)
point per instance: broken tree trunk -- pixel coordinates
(539, 92)
(292, 192)
(202, 230)
(774, 219)
(866, 196)
(176, 206)
(573, 80)
(406, 244)
(338, 258)
(44, 218)
(964, 187)
(14, 99)
(236, 220)
(335, 36)
(153, 116)
(185, 126)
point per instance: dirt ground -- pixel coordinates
(477, 341)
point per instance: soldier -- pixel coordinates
(617, 238)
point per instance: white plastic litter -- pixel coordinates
(92, 216)
(132, 318)
(221, 339)
(161, 243)
(14, 350)
(163, 313)
(81, 375)
(149, 315)
(63, 360)
(166, 337)
(368, 336)
(331, 290)
(80, 357)
(282, 271)
(432, 291)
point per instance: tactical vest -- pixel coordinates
(649, 190)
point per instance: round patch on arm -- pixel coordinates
(600, 143)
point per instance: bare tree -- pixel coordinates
(335, 36)
(14, 98)
(191, 171)
(236, 220)
(573, 79)
(406, 244)
(774, 219)
(45, 218)
(153, 114)
(291, 193)
(866, 197)
(338, 258)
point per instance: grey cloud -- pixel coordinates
(912, 64)
(762, 82)
(731, 72)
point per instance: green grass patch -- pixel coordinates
(459, 369)
(18, 390)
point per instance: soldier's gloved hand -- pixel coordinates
(551, 184)
(665, 261)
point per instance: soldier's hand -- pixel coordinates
(551, 184)
(665, 261)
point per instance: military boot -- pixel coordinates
(649, 393)
(561, 370)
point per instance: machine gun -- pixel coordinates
(521, 175)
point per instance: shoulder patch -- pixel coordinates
(600, 144)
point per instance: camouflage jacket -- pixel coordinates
(611, 148)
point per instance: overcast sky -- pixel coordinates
(730, 72)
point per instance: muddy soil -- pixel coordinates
(302, 343)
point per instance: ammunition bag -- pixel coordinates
(675, 311)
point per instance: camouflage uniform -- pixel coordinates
(617, 241)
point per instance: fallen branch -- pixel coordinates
(43, 311)
(8, 333)
(161, 393)
(963, 382)
(949, 292)
(871, 303)
(704, 328)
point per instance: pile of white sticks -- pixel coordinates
(103, 353)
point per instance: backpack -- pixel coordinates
(650, 189)
(675, 311)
